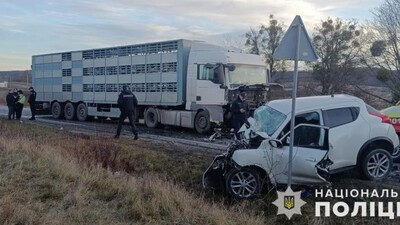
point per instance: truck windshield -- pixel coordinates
(269, 119)
(248, 75)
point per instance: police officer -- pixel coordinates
(16, 98)
(20, 104)
(32, 102)
(10, 103)
(127, 102)
(240, 112)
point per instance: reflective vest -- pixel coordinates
(21, 99)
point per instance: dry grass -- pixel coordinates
(45, 181)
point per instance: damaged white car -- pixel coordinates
(332, 134)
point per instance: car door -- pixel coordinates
(347, 133)
(311, 145)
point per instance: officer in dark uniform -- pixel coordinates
(127, 102)
(16, 98)
(10, 103)
(240, 112)
(32, 102)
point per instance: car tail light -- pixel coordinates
(385, 119)
(374, 112)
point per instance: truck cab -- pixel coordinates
(216, 76)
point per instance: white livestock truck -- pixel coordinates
(180, 82)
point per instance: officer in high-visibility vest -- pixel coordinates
(20, 104)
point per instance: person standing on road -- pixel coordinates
(10, 103)
(32, 102)
(20, 104)
(127, 103)
(240, 112)
(16, 97)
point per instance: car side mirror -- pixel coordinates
(287, 140)
(275, 143)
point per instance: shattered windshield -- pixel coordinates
(248, 75)
(269, 119)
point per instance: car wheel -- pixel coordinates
(396, 155)
(244, 183)
(376, 164)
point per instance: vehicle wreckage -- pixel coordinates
(332, 134)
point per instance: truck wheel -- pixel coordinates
(243, 183)
(69, 111)
(376, 164)
(81, 112)
(202, 123)
(57, 110)
(151, 118)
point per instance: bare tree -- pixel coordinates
(385, 46)
(337, 43)
(265, 40)
(254, 42)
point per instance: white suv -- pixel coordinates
(332, 134)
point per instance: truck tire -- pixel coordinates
(69, 111)
(202, 123)
(57, 110)
(151, 118)
(81, 112)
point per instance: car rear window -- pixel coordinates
(340, 116)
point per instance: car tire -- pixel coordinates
(396, 155)
(243, 183)
(376, 164)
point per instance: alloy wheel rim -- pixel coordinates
(243, 184)
(378, 165)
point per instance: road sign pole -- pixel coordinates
(294, 95)
(295, 45)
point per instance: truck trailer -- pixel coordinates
(179, 82)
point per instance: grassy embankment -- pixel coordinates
(49, 176)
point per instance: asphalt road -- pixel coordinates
(108, 127)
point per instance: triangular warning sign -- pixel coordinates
(287, 48)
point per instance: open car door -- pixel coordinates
(310, 162)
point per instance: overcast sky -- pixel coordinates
(30, 27)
